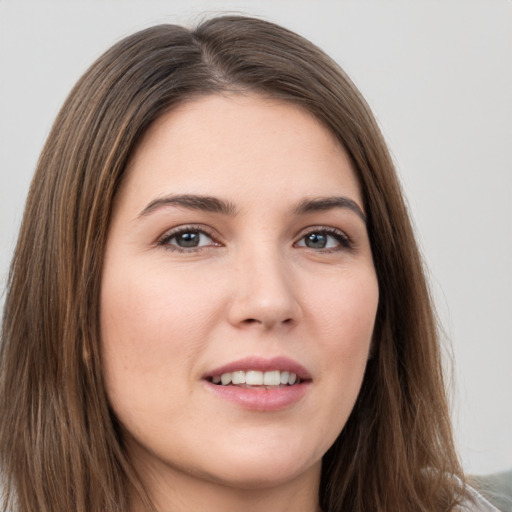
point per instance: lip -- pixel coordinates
(262, 365)
(261, 399)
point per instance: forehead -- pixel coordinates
(241, 145)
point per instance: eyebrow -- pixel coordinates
(192, 202)
(216, 205)
(328, 203)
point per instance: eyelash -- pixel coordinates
(345, 243)
(164, 241)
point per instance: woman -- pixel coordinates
(216, 301)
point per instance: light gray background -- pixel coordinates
(438, 75)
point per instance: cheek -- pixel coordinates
(149, 309)
(344, 318)
(151, 332)
(344, 312)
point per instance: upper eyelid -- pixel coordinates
(346, 242)
(172, 232)
(211, 233)
(322, 229)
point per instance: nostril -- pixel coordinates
(251, 321)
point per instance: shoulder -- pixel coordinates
(476, 503)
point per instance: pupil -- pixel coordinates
(316, 241)
(188, 239)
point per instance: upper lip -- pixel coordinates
(280, 363)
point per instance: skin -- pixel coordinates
(253, 287)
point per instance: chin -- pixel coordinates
(260, 476)
(256, 469)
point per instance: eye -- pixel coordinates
(330, 239)
(187, 239)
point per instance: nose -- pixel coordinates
(265, 293)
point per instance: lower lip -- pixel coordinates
(261, 399)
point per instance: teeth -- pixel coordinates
(257, 378)
(254, 378)
(238, 377)
(225, 378)
(272, 378)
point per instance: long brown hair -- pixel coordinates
(60, 446)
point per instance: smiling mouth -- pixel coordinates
(256, 379)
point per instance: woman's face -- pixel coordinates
(237, 250)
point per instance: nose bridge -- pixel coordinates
(264, 288)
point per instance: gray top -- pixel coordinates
(480, 504)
